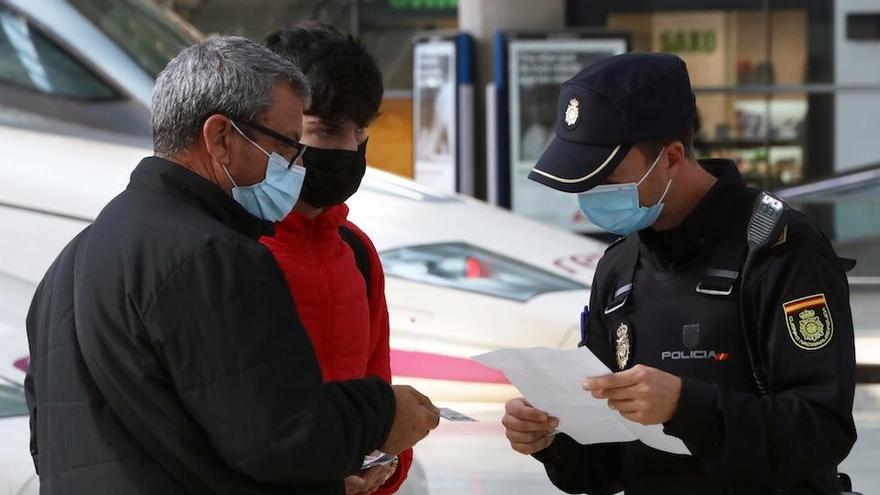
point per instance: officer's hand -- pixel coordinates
(414, 417)
(641, 394)
(528, 429)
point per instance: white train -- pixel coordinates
(75, 81)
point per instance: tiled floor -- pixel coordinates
(475, 459)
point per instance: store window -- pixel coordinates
(735, 69)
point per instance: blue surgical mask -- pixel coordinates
(274, 197)
(615, 207)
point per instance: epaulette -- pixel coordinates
(783, 237)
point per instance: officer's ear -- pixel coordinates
(676, 157)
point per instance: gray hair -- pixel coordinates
(227, 75)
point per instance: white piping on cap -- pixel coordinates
(581, 179)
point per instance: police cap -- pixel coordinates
(607, 108)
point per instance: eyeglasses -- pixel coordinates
(281, 138)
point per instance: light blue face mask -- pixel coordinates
(615, 207)
(273, 197)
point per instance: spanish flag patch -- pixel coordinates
(809, 322)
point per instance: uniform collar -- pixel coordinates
(700, 229)
(161, 176)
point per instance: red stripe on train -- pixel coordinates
(414, 364)
(22, 364)
(418, 365)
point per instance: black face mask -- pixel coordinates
(332, 176)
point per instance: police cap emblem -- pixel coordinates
(623, 345)
(572, 113)
(809, 322)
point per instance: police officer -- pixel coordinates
(724, 314)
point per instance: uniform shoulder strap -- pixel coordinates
(361, 254)
(723, 271)
(623, 272)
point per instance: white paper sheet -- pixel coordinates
(552, 381)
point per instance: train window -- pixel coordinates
(152, 36)
(28, 59)
(458, 265)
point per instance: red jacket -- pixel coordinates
(349, 331)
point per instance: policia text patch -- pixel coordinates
(809, 322)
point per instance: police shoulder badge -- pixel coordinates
(623, 345)
(572, 113)
(809, 322)
(782, 238)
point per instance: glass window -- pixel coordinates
(736, 59)
(725, 48)
(764, 134)
(12, 402)
(149, 34)
(30, 60)
(465, 267)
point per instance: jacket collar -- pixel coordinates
(164, 177)
(700, 229)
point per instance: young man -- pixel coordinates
(331, 266)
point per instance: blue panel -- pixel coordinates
(465, 58)
(502, 145)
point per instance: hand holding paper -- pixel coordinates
(642, 394)
(552, 381)
(528, 429)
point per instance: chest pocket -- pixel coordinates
(685, 322)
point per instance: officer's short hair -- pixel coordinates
(653, 148)
(344, 78)
(227, 75)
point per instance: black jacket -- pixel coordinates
(188, 317)
(743, 443)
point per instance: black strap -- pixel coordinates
(624, 274)
(748, 322)
(750, 335)
(724, 269)
(361, 255)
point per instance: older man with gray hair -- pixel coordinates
(166, 353)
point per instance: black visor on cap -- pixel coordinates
(574, 167)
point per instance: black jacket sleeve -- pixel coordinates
(805, 425)
(576, 468)
(226, 329)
